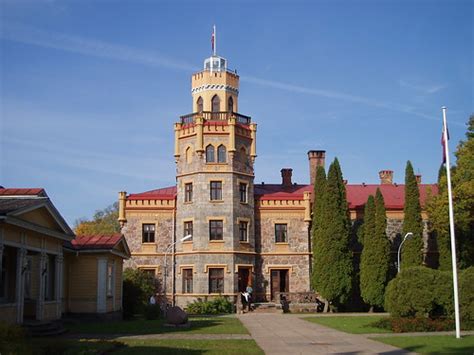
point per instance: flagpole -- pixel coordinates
(451, 226)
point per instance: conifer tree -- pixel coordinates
(375, 259)
(317, 219)
(332, 258)
(368, 228)
(412, 250)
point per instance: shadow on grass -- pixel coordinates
(93, 347)
(198, 325)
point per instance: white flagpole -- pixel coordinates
(451, 226)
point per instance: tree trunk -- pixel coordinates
(326, 307)
(371, 309)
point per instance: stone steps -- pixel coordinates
(36, 328)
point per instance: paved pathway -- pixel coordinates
(281, 334)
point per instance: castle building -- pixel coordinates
(216, 231)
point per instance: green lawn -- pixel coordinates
(217, 347)
(354, 325)
(199, 325)
(440, 344)
(150, 346)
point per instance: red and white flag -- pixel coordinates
(213, 38)
(443, 142)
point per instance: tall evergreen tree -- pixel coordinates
(438, 210)
(375, 259)
(412, 251)
(317, 219)
(332, 257)
(368, 228)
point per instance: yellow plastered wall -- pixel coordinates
(205, 78)
(41, 217)
(82, 283)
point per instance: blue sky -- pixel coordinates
(90, 89)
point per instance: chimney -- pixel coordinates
(286, 177)
(316, 158)
(418, 179)
(386, 177)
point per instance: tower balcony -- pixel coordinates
(209, 116)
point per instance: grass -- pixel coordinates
(199, 325)
(190, 347)
(440, 344)
(354, 325)
(131, 346)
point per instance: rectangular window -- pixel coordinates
(216, 229)
(243, 192)
(188, 229)
(281, 233)
(216, 190)
(187, 280)
(216, 280)
(148, 233)
(110, 279)
(188, 192)
(243, 231)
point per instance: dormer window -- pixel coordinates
(210, 154)
(221, 154)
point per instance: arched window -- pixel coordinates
(221, 154)
(215, 104)
(199, 104)
(210, 154)
(189, 155)
(230, 104)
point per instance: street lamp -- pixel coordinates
(168, 249)
(408, 235)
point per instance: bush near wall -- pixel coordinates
(218, 305)
(138, 286)
(424, 292)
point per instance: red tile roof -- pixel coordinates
(394, 195)
(167, 193)
(103, 241)
(279, 192)
(357, 194)
(22, 191)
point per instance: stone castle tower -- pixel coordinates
(215, 150)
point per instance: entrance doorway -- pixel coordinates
(279, 282)
(244, 278)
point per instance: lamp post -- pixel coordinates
(168, 249)
(408, 235)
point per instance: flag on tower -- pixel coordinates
(443, 142)
(213, 38)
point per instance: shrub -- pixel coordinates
(420, 292)
(218, 305)
(466, 294)
(416, 324)
(152, 311)
(12, 339)
(138, 286)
